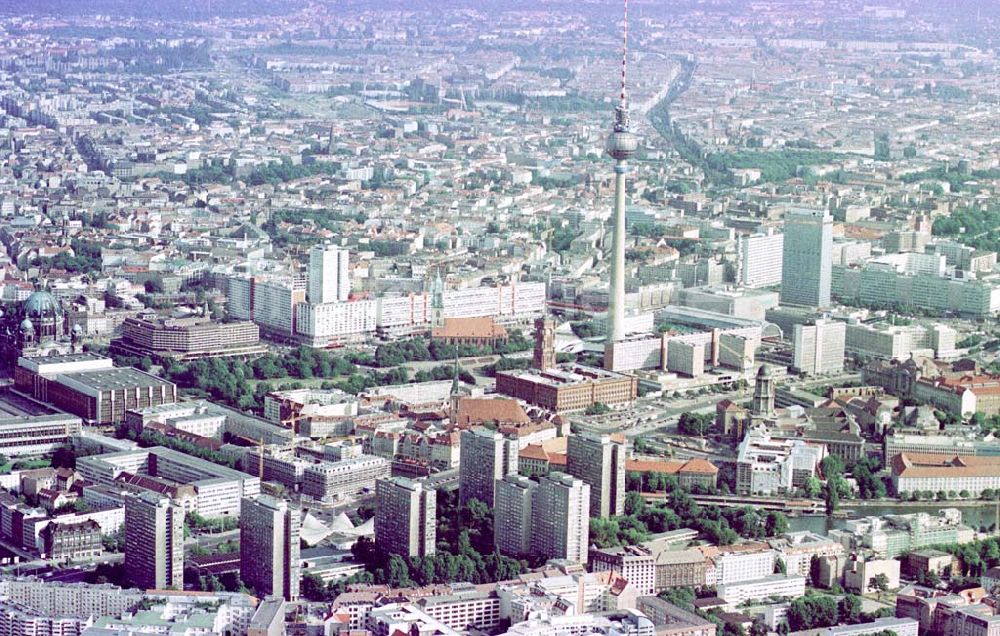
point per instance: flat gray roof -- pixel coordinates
(119, 378)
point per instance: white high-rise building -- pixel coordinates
(819, 348)
(329, 274)
(807, 260)
(760, 258)
(560, 518)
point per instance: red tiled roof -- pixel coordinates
(477, 327)
(477, 410)
(671, 468)
(946, 466)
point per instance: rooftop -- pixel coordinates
(565, 376)
(937, 465)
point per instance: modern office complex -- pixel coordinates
(560, 518)
(807, 258)
(599, 461)
(188, 338)
(891, 283)
(154, 542)
(331, 481)
(766, 466)
(819, 348)
(37, 434)
(90, 386)
(269, 546)
(217, 490)
(406, 517)
(486, 457)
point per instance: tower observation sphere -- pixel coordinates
(622, 143)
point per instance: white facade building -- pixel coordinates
(328, 323)
(736, 567)
(776, 585)
(759, 259)
(329, 275)
(819, 348)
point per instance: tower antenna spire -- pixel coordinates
(621, 113)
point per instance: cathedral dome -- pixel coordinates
(41, 304)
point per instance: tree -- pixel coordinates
(313, 588)
(779, 566)
(776, 524)
(759, 626)
(813, 487)
(849, 608)
(812, 611)
(814, 570)
(598, 408)
(832, 466)
(880, 583)
(732, 629)
(832, 498)
(63, 457)
(634, 503)
(694, 424)
(399, 572)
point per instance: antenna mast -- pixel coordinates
(622, 115)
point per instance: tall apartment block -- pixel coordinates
(560, 518)
(599, 462)
(819, 348)
(406, 517)
(269, 546)
(512, 528)
(486, 456)
(154, 542)
(329, 275)
(807, 258)
(759, 258)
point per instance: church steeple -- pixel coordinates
(456, 389)
(437, 301)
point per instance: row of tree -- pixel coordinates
(464, 552)
(814, 611)
(392, 354)
(723, 526)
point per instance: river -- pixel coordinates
(974, 516)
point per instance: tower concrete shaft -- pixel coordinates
(617, 298)
(622, 146)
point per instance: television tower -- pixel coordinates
(621, 146)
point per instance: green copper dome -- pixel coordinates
(41, 304)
